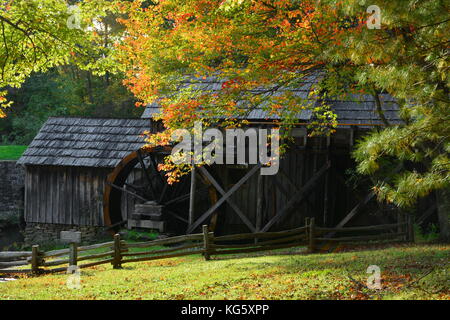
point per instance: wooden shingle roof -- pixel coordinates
(355, 110)
(360, 110)
(85, 142)
(213, 85)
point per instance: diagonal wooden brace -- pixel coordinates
(224, 198)
(229, 200)
(298, 197)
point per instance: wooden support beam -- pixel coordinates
(163, 193)
(228, 199)
(292, 184)
(155, 169)
(311, 236)
(185, 197)
(214, 217)
(192, 195)
(359, 206)
(259, 202)
(298, 196)
(326, 185)
(280, 186)
(353, 212)
(213, 199)
(427, 213)
(224, 198)
(288, 179)
(176, 216)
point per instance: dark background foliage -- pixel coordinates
(64, 91)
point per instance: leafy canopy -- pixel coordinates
(409, 58)
(271, 44)
(247, 45)
(37, 35)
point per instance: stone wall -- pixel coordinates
(11, 192)
(42, 233)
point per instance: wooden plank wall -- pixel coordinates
(299, 167)
(299, 164)
(68, 195)
(71, 195)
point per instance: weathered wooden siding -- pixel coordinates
(298, 165)
(64, 195)
(68, 195)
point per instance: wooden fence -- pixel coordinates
(118, 252)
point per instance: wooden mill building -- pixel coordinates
(66, 168)
(313, 176)
(68, 162)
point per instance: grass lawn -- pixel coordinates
(286, 274)
(11, 152)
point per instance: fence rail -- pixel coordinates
(119, 252)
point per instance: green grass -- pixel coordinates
(280, 275)
(11, 152)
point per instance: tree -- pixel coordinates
(37, 35)
(246, 44)
(270, 44)
(408, 58)
(63, 91)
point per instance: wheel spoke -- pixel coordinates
(146, 174)
(128, 191)
(134, 187)
(138, 177)
(163, 193)
(179, 187)
(185, 197)
(155, 168)
(173, 214)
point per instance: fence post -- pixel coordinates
(307, 227)
(401, 219)
(411, 228)
(206, 242)
(73, 254)
(35, 259)
(311, 235)
(117, 263)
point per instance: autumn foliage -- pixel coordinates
(247, 45)
(256, 48)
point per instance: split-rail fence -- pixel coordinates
(119, 252)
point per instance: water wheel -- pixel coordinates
(157, 204)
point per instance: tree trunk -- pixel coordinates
(443, 206)
(89, 88)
